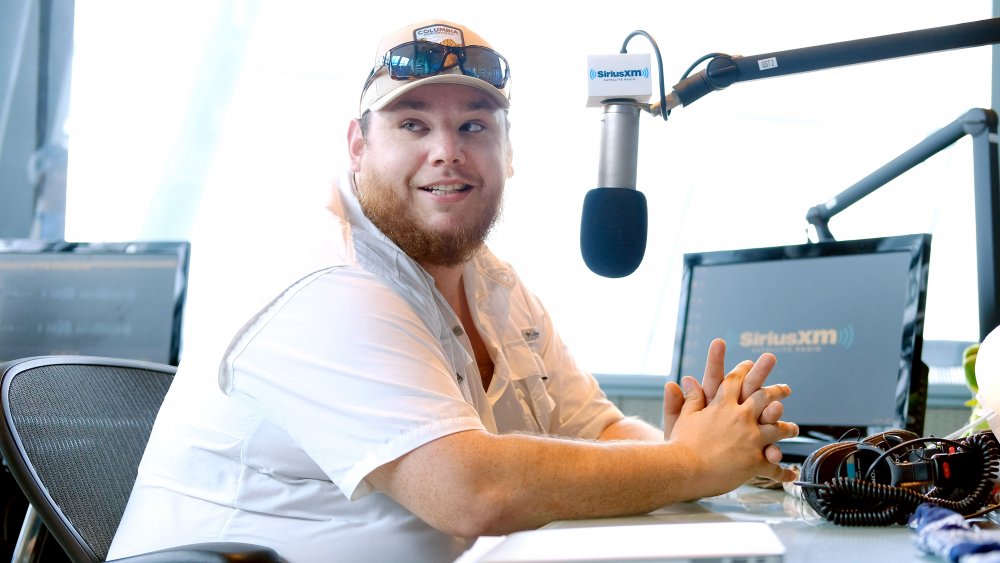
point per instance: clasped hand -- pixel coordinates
(731, 419)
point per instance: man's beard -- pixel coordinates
(394, 216)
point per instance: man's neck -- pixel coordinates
(448, 280)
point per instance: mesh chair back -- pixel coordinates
(75, 429)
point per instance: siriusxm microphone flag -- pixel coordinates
(621, 76)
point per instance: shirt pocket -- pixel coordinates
(528, 378)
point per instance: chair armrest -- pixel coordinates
(212, 552)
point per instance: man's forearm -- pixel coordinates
(632, 428)
(574, 479)
(476, 483)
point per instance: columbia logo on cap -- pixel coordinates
(443, 34)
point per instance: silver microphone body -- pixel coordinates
(619, 145)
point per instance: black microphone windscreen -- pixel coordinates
(613, 231)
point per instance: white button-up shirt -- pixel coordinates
(357, 361)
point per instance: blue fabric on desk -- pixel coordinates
(946, 533)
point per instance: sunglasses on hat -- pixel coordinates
(418, 59)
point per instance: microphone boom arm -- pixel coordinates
(725, 70)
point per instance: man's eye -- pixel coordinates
(473, 127)
(412, 126)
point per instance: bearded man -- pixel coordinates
(404, 393)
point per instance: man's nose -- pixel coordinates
(446, 148)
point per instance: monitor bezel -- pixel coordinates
(913, 374)
(181, 250)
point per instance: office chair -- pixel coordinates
(72, 433)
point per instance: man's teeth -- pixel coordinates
(447, 189)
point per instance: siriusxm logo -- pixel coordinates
(801, 340)
(628, 73)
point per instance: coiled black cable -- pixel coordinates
(857, 502)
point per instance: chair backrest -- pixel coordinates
(73, 431)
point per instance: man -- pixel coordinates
(403, 393)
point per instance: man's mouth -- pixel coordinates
(446, 189)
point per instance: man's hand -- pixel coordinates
(673, 397)
(726, 436)
(755, 373)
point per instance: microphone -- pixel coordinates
(614, 221)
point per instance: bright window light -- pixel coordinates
(189, 118)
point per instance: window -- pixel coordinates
(186, 116)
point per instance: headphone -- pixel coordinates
(880, 480)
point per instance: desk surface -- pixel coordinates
(806, 535)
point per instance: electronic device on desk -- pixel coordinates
(122, 300)
(686, 542)
(882, 479)
(844, 318)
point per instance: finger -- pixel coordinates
(694, 395)
(715, 367)
(772, 453)
(732, 384)
(780, 430)
(787, 474)
(779, 473)
(673, 400)
(772, 413)
(757, 375)
(766, 395)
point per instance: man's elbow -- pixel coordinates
(486, 491)
(491, 511)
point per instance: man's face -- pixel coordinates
(430, 171)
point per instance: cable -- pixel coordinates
(659, 67)
(985, 510)
(861, 501)
(902, 445)
(699, 61)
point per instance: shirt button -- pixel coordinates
(457, 330)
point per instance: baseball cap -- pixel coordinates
(381, 89)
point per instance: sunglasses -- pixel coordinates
(418, 59)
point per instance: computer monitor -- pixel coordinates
(122, 300)
(844, 319)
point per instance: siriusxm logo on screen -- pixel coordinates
(805, 340)
(626, 73)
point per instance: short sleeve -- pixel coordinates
(346, 366)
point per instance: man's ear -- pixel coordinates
(510, 160)
(355, 144)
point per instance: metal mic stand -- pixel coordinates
(981, 125)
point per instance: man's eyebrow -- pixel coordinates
(408, 104)
(479, 105)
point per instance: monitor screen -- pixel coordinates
(121, 300)
(844, 319)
